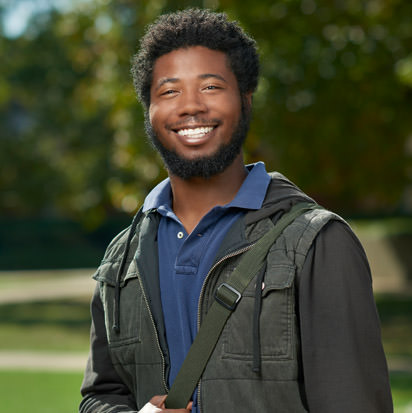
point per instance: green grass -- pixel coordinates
(43, 326)
(39, 392)
(401, 385)
(395, 312)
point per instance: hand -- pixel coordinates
(157, 405)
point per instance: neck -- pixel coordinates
(194, 198)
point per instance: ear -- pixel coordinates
(248, 99)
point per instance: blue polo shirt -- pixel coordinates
(185, 259)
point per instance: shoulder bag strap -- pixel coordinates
(227, 296)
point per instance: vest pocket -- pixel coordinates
(131, 307)
(130, 303)
(276, 319)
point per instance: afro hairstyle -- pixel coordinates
(195, 27)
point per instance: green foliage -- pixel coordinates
(332, 110)
(70, 114)
(335, 112)
(50, 242)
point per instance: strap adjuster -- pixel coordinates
(228, 299)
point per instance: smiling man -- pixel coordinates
(304, 335)
(200, 111)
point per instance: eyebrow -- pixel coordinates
(166, 80)
(202, 76)
(214, 75)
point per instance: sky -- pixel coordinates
(18, 12)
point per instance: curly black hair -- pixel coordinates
(195, 27)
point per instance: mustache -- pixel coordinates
(195, 120)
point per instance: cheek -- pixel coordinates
(232, 109)
(233, 118)
(159, 115)
(155, 120)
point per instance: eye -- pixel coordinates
(212, 87)
(168, 93)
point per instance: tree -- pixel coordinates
(331, 111)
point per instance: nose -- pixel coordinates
(191, 103)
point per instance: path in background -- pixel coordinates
(21, 286)
(42, 361)
(389, 273)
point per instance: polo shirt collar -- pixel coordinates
(250, 195)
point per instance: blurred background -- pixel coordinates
(333, 112)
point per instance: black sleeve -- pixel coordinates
(344, 365)
(102, 389)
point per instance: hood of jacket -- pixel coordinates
(281, 195)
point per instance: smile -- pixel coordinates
(195, 132)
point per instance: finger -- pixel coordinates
(158, 400)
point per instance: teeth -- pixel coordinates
(195, 131)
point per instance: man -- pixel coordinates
(305, 335)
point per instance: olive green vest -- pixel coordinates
(229, 383)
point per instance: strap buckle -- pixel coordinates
(229, 299)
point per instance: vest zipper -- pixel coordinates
(232, 254)
(156, 335)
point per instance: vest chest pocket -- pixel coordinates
(130, 304)
(276, 318)
(131, 308)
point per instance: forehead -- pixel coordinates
(190, 63)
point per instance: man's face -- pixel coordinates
(196, 117)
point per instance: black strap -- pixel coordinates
(226, 298)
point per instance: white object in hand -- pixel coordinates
(149, 408)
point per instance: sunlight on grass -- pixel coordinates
(44, 338)
(39, 392)
(401, 384)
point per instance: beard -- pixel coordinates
(202, 166)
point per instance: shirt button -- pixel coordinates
(180, 235)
